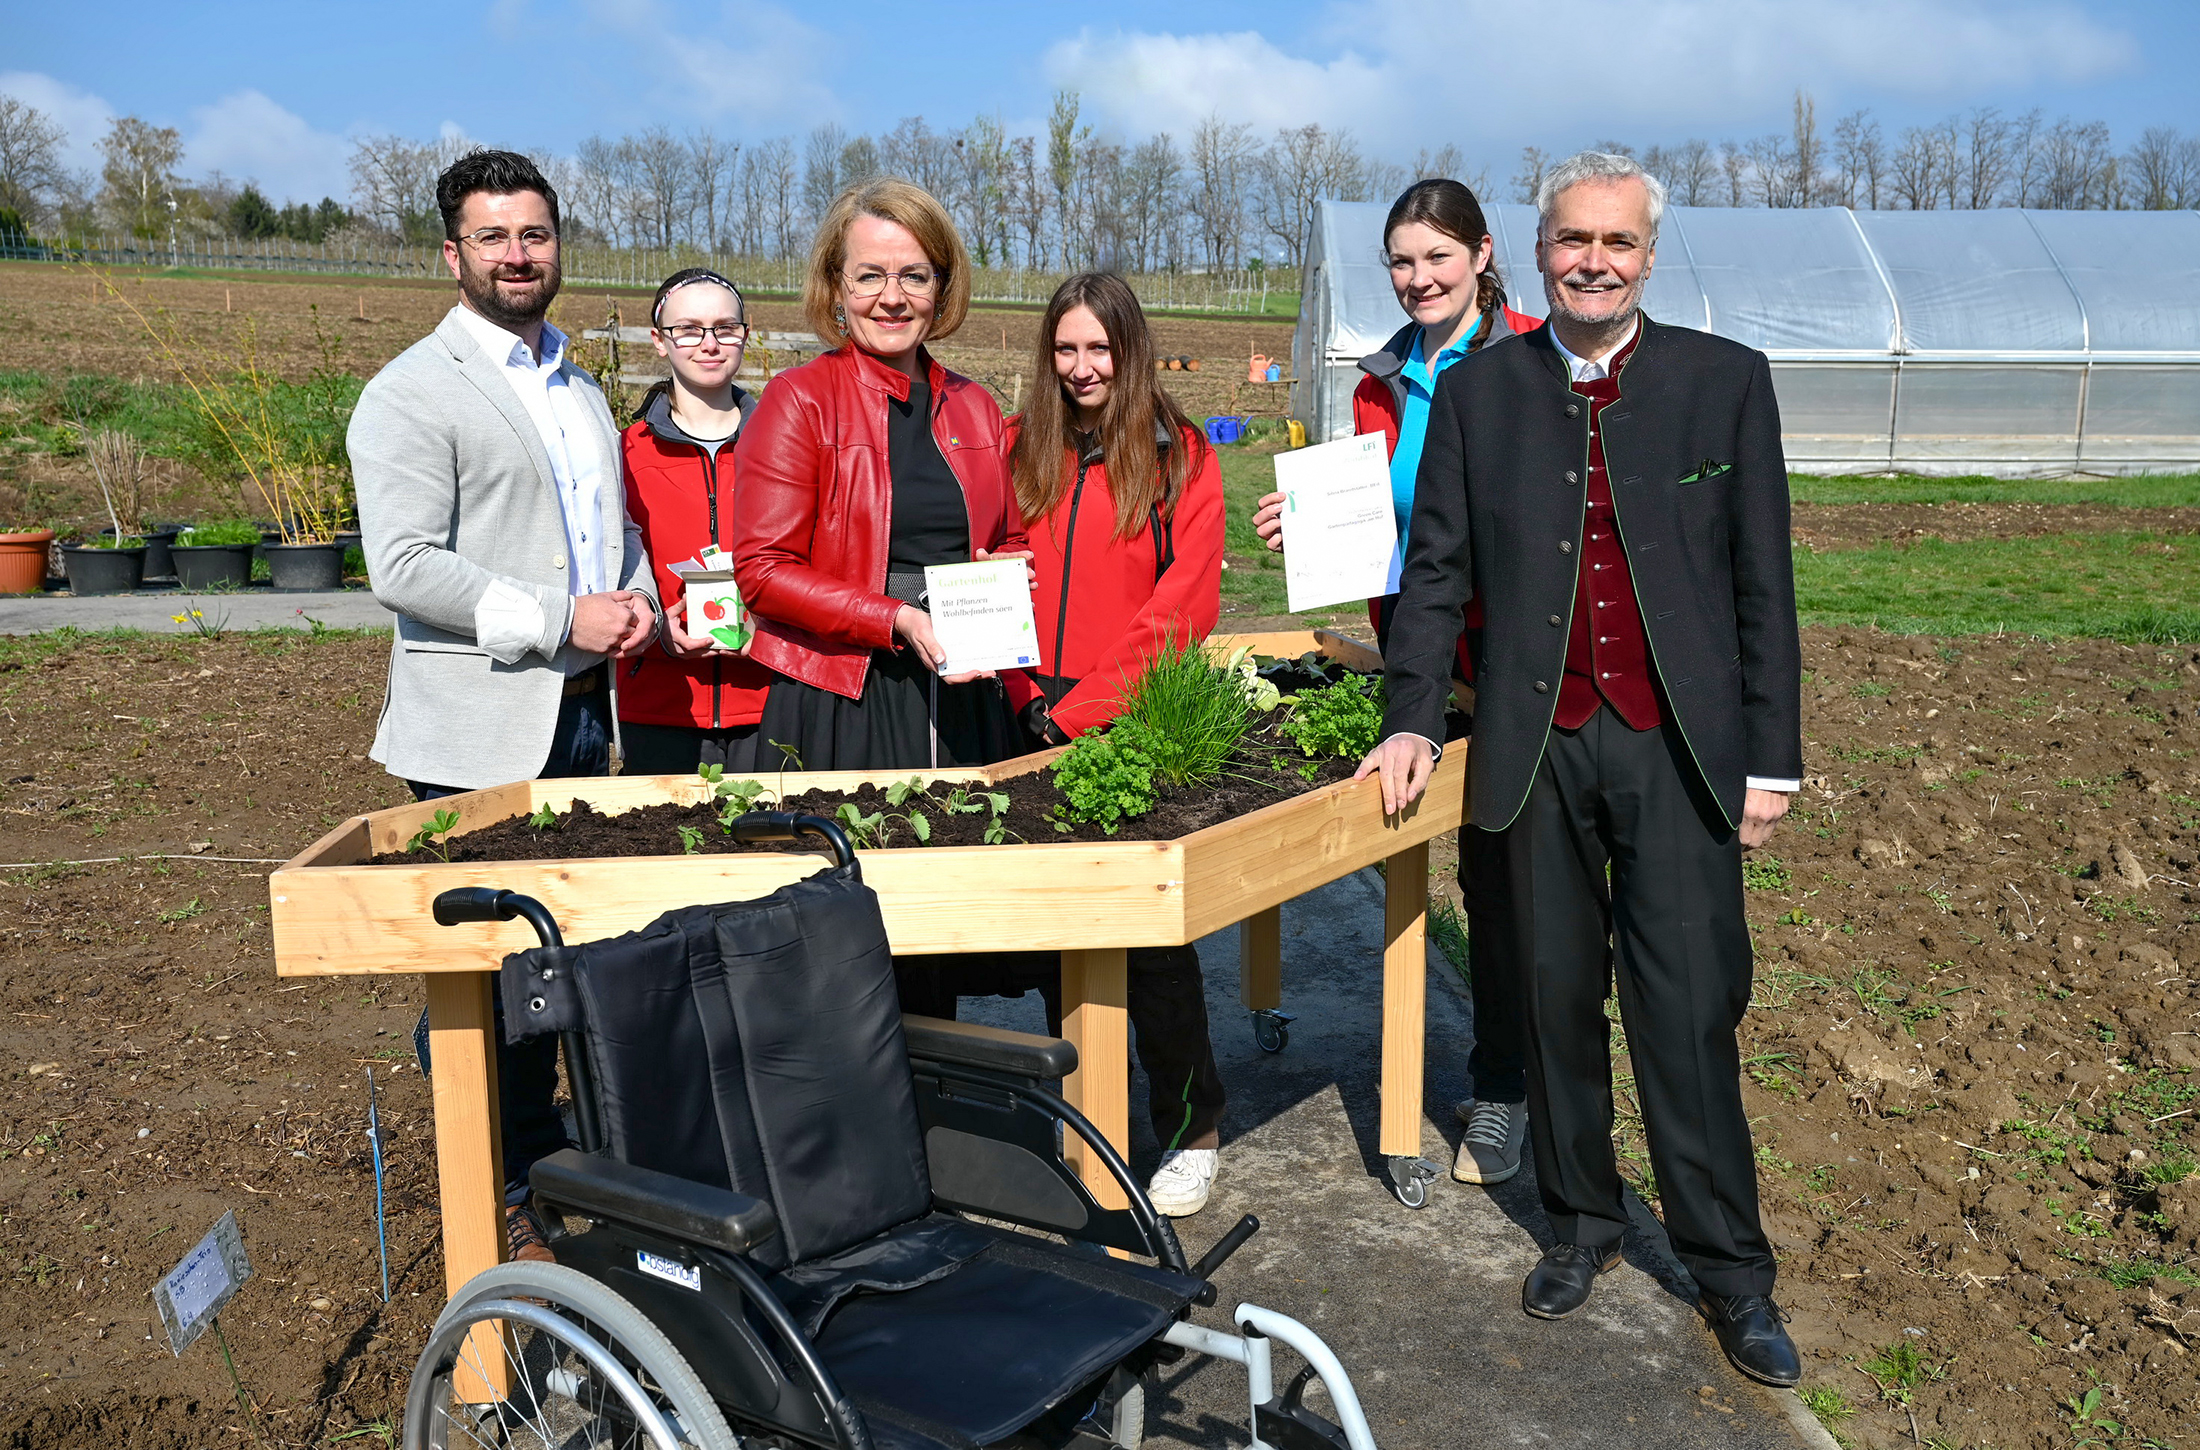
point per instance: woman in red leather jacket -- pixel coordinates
(696, 702)
(1124, 499)
(856, 470)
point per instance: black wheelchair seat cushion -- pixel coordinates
(975, 1355)
(756, 1046)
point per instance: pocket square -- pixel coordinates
(1709, 468)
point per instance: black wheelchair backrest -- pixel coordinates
(756, 1046)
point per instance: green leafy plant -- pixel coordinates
(865, 832)
(962, 801)
(435, 836)
(1900, 1368)
(543, 819)
(200, 625)
(1761, 872)
(1343, 719)
(691, 839)
(2088, 1425)
(1106, 778)
(1827, 1403)
(736, 797)
(231, 532)
(1194, 714)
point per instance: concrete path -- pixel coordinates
(1422, 1306)
(154, 610)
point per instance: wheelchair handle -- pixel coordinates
(787, 826)
(1213, 1259)
(492, 903)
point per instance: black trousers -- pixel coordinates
(1670, 921)
(1166, 1000)
(679, 749)
(1498, 1063)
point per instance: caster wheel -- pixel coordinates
(1272, 1029)
(1410, 1179)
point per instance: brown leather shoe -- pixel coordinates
(530, 1243)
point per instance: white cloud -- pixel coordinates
(82, 116)
(768, 72)
(1491, 73)
(246, 135)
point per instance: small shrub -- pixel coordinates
(1106, 778)
(1342, 719)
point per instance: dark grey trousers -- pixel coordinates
(1671, 921)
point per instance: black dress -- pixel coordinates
(905, 719)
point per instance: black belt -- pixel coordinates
(585, 683)
(908, 588)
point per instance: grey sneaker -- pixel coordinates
(1490, 1151)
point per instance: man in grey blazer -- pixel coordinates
(495, 525)
(494, 517)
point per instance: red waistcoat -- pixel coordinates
(1607, 653)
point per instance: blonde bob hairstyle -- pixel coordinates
(909, 205)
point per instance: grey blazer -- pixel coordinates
(466, 543)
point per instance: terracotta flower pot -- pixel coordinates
(23, 561)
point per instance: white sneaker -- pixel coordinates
(1489, 1152)
(1180, 1188)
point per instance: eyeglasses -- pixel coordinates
(915, 281)
(691, 334)
(496, 242)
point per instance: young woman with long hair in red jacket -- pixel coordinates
(693, 702)
(1123, 502)
(1439, 249)
(856, 471)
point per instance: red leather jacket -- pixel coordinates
(813, 507)
(678, 496)
(1105, 605)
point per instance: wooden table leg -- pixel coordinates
(1260, 960)
(1405, 998)
(1094, 1018)
(469, 1158)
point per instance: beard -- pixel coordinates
(501, 304)
(1628, 298)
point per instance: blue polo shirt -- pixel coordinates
(1420, 382)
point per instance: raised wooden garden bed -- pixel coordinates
(1090, 899)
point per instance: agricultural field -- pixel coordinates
(1972, 1055)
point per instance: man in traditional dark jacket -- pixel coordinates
(1616, 491)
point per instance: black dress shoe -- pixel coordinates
(1749, 1330)
(1560, 1284)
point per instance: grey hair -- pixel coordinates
(1596, 166)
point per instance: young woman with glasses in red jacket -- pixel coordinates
(1123, 499)
(693, 702)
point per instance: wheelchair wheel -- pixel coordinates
(587, 1372)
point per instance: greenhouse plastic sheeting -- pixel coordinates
(2010, 342)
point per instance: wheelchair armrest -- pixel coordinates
(676, 1207)
(936, 1039)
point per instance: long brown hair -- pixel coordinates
(1450, 208)
(1141, 474)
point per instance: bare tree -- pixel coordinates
(1299, 168)
(1064, 137)
(1859, 160)
(1734, 166)
(1027, 198)
(2162, 170)
(913, 149)
(1528, 180)
(2078, 167)
(1806, 154)
(1691, 172)
(1985, 160)
(603, 195)
(2024, 150)
(1153, 204)
(139, 176)
(1223, 159)
(1445, 160)
(981, 154)
(859, 161)
(1771, 167)
(30, 158)
(778, 193)
(1914, 172)
(821, 168)
(712, 163)
(656, 167)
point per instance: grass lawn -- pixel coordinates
(2124, 586)
(2154, 490)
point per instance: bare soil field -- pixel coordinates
(1972, 1051)
(57, 320)
(1835, 526)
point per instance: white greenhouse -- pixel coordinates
(2016, 343)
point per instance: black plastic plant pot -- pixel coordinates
(158, 542)
(213, 566)
(300, 568)
(102, 571)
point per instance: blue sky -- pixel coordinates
(272, 91)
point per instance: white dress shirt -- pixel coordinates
(576, 464)
(1590, 370)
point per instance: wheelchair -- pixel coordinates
(798, 1217)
